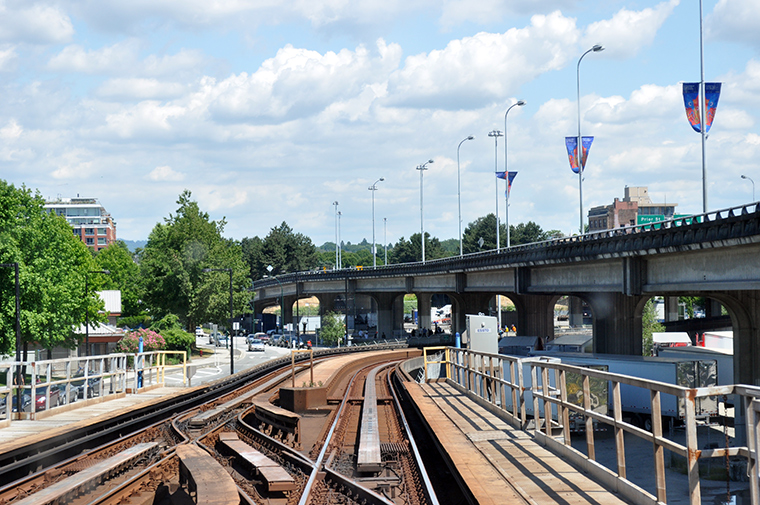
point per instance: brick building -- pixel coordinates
(635, 208)
(88, 218)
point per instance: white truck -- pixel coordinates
(688, 372)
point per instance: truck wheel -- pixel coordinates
(648, 423)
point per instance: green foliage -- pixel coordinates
(130, 343)
(139, 321)
(690, 302)
(485, 228)
(285, 250)
(526, 233)
(52, 266)
(168, 322)
(332, 330)
(409, 251)
(649, 325)
(172, 263)
(125, 276)
(178, 339)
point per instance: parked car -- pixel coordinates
(41, 400)
(221, 341)
(255, 344)
(261, 336)
(26, 402)
(93, 385)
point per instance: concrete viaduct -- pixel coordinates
(715, 255)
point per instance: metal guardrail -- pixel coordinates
(734, 222)
(501, 381)
(63, 381)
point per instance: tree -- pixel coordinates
(485, 228)
(172, 264)
(649, 325)
(285, 250)
(526, 233)
(125, 276)
(176, 338)
(332, 329)
(52, 266)
(410, 251)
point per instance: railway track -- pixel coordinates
(232, 437)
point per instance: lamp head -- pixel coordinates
(597, 48)
(521, 102)
(470, 137)
(430, 161)
(744, 176)
(381, 179)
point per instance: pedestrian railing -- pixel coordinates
(549, 399)
(148, 369)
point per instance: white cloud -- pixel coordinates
(35, 24)
(12, 131)
(114, 59)
(485, 67)
(139, 88)
(7, 57)
(735, 21)
(165, 173)
(627, 32)
(491, 12)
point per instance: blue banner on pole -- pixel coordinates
(572, 151)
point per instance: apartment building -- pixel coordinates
(88, 219)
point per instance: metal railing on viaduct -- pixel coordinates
(614, 272)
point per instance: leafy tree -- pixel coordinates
(285, 250)
(361, 257)
(332, 329)
(172, 264)
(408, 251)
(649, 325)
(485, 228)
(526, 233)
(450, 246)
(125, 276)
(52, 266)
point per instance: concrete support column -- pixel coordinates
(745, 319)
(712, 308)
(287, 310)
(575, 311)
(398, 316)
(671, 308)
(464, 304)
(617, 326)
(535, 316)
(423, 310)
(385, 319)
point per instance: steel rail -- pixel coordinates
(23, 461)
(429, 490)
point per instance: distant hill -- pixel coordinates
(134, 244)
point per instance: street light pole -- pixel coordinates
(579, 148)
(496, 134)
(422, 168)
(385, 238)
(232, 341)
(459, 194)
(87, 308)
(340, 245)
(18, 333)
(753, 185)
(519, 103)
(335, 203)
(373, 188)
(282, 298)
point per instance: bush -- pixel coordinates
(179, 340)
(130, 344)
(332, 329)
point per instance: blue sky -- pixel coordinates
(269, 111)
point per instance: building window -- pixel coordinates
(89, 231)
(77, 232)
(89, 241)
(101, 241)
(101, 231)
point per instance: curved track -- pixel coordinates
(228, 410)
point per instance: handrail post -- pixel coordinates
(619, 432)
(659, 451)
(589, 421)
(692, 450)
(563, 410)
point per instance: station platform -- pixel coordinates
(498, 463)
(79, 414)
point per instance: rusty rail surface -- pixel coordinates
(501, 381)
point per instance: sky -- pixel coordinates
(270, 111)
